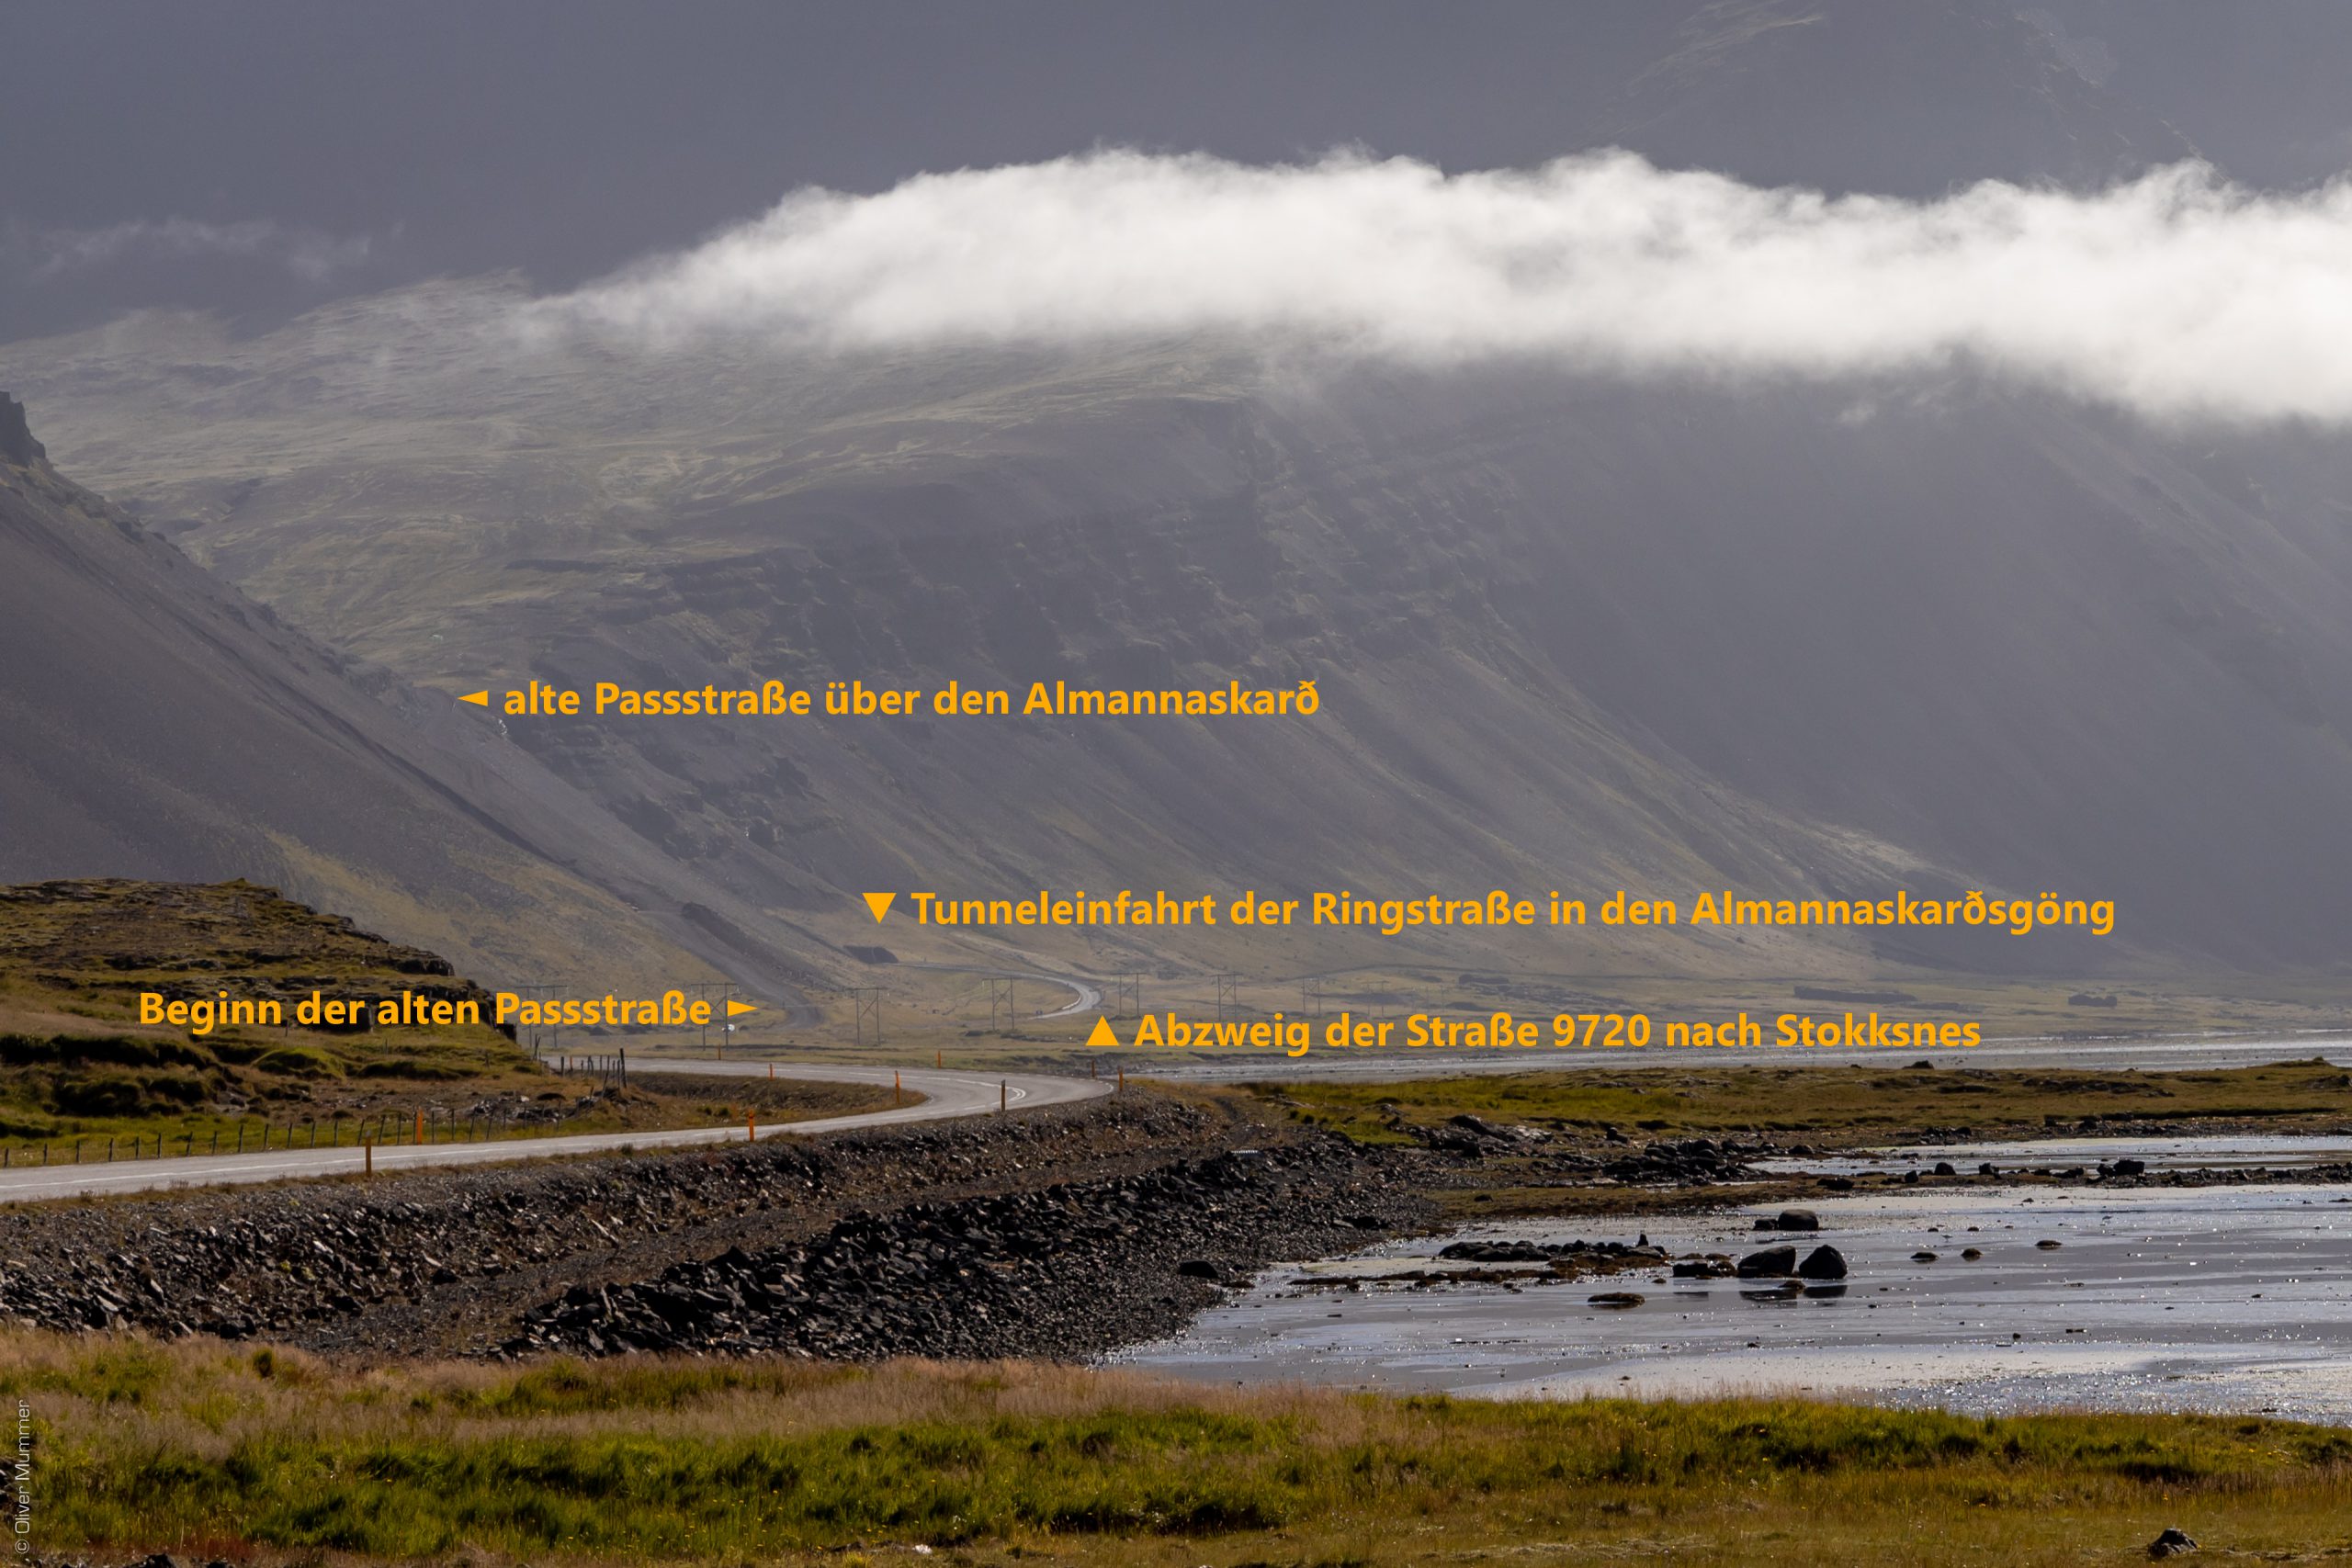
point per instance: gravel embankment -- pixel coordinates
(1069, 1226)
(1074, 1270)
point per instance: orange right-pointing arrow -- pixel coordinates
(736, 1009)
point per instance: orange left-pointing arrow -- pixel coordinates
(480, 699)
(735, 1009)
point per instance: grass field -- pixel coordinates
(1834, 1106)
(201, 1449)
(83, 1078)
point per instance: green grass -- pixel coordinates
(1829, 1105)
(196, 1446)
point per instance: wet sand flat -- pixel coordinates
(2221, 1298)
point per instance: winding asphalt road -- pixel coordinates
(946, 1094)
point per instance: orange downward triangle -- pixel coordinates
(880, 904)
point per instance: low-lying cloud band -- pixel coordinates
(2174, 295)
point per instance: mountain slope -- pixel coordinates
(157, 725)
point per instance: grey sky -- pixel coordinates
(258, 156)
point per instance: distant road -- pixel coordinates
(1085, 995)
(946, 1094)
(1370, 1066)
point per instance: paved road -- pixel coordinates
(946, 1094)
(1085, 995)
(1358, 1066)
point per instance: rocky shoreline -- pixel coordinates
(1055, 1233)
(1073, 1270)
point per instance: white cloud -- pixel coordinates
(2174, 294)
(306, 253)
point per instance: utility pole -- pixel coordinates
(1228, 997)
(865, 1002)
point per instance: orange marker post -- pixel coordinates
(751, 1128)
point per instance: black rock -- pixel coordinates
(1824, 1262)
(2172, 1543)
(1495, 1252)
(1772, 1263)
(1199, 1269)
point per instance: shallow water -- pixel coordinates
(2223, 1298)
(2230, 1151)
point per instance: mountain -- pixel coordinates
(1567, 631)
(1909, 100)
(158, 723)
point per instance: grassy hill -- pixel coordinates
(78, 1068)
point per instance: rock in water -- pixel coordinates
(1824, 1262)
(1772, 1263)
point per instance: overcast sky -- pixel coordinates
(564, 137)
(260, 156)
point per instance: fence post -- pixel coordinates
(1003, 1096)
(367, 1153)
(751, 1127)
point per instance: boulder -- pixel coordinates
(1824, 1262)
(2172, 1543)
(1772, 1263)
